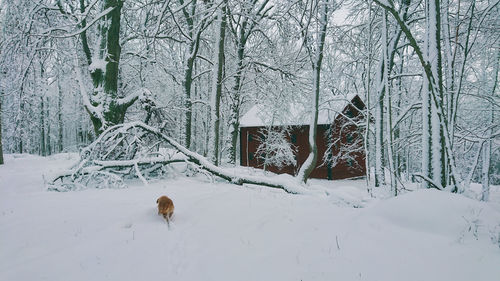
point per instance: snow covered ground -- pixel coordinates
(227, 232)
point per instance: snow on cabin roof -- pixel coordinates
(294, 114)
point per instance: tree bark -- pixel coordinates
(485, 171)
(236, 96)
(59, 118)
(217, 86)
(439, 161)
(194, 45)
(43, 147)
(368, 82)
(388, 106)
(48, 141)
(42, 90)
(379, 125)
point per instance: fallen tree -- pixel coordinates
(125, 150)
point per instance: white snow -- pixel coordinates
(228, 232)
(98, 64)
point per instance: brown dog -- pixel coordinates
(165, 207)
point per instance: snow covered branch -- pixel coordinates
(68, 33)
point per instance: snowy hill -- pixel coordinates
(227, 232)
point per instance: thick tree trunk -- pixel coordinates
(217, 87)
(194, 45)
(116, 112)
(104, 106)
(439, 157)
(234, 118)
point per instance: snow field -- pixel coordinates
(227, 232)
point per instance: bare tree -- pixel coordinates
(243, 22)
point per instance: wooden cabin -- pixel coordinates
(336, 129)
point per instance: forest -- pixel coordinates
(137, 85)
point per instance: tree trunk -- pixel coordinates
(217, 86)
(59, 118)
(104, 106)
(426, 133)
(388, 105)
(188, 104)
(368, 82)
(439, 162)
(43, 147)
(310, 163)
(234, 119)
(379, 126)
(485, 171)
(116, 113)
(381, 88)
(48, 141)
(194, 45)
(1, 146)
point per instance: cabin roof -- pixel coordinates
(294, 114)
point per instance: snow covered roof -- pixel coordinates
(294, 114)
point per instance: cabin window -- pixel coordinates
(250, 138)
(349, 113)
(250, 156)
(349, 162)
(294, 138)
